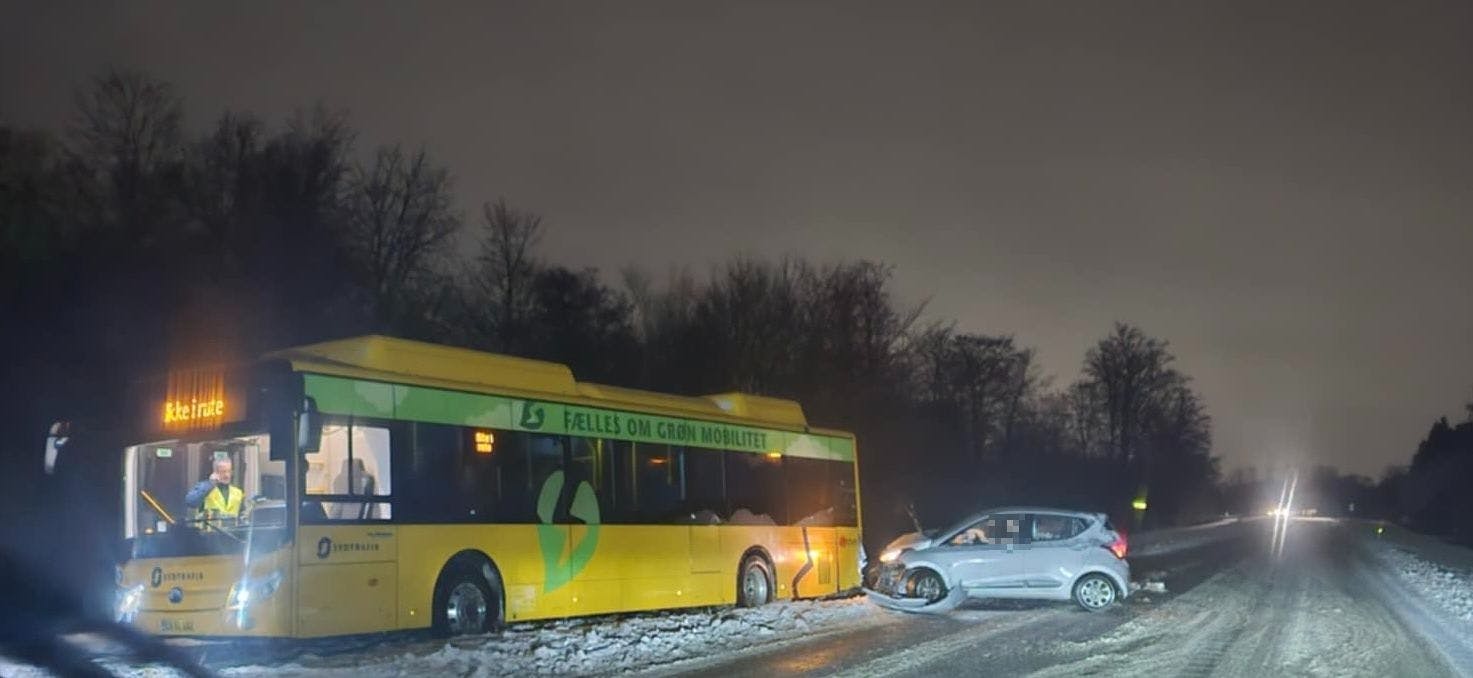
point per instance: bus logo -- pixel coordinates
(156, 577)
(324, 548)
(532, 416)
(558, 570)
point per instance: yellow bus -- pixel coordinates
(389, 484)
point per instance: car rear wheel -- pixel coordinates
(927, 585)
(754, 582)
(1094, 592)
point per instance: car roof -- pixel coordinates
(1088, 515)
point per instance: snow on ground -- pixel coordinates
(1448, 586)
(597, 645)
(585, 646)
(1305, 612)
(1162, 542)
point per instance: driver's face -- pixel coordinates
(223, 471)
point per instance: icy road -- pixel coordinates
(1333, 599)
(1329, 603)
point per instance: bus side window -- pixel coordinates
(807, 482)
(354, 460)
(754, 488)
(658, 482)
(524, 462)
(705, 479)
(591, 461)
(448, 479)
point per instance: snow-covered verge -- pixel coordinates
(588, 646)
(1428, 583)
(598, 645)
(1440, 572)
(1171, 540)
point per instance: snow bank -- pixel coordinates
(1450, 588)
(585, 646)
(599, 645)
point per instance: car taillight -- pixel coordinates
(1119, 546)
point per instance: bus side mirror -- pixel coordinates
(56, 439)
(309, 428)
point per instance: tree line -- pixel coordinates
(1430, 494)
(127, 243)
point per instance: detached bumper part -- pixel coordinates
(907, 604)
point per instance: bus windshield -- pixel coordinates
(175, 507)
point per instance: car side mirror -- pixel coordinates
(309, 428)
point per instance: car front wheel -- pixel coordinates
(1094, 592)
(927, 585)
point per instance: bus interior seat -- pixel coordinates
(362, 483)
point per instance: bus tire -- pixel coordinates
(754, 582)
(468, 597)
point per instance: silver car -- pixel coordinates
(1015, 552)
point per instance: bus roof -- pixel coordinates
(390, 359)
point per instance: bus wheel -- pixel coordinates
(467, 599)
(754, 582)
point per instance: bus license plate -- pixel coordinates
(176, 625)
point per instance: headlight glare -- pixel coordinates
(247, 591)
(889, 556)
(128, 603)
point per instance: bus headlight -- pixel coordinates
(248, 591)
(128, 603)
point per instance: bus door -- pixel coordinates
(347, 553)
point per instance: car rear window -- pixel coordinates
(1053, 527)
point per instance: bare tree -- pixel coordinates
(579, 321)
(222, 186)
(1153, 426)
(29, 198)
(399, 215)
(124, 141)
(1085, 406)
(859, 323)
(987, 380)
(506, 267)
(664, 319)
(749, 317)
(1130, 370)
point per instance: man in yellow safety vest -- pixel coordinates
(216, 497)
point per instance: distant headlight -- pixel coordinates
(128, 603)
(890, 555)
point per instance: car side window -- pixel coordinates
(1006, 528)
(1049, 527)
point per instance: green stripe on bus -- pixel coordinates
(348, 396)
(336, 395)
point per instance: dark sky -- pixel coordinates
(1282, 190)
